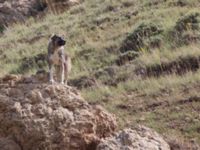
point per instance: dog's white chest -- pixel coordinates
(55, 58)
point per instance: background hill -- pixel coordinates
(139, 59)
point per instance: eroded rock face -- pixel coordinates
(12, 11)
(141, 138)
(7, 144)
(38, 116)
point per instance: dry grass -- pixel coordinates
(165, 55)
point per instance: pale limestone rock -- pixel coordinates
(52, 117)
(7, 144)
(35, 115)
(140, 138)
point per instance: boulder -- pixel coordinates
(36, 115)
(7, 144)
(12, 11)
(140, 138)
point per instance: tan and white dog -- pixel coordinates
(58, 60)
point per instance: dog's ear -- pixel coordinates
(62, 36)
(53, 36)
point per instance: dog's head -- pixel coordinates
(57, 40)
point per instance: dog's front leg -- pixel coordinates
(51, 74)
(62, 73)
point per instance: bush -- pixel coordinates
(2, 28)
(28, 63)
(188, 22)
(141, 37)
(187, 28)
(126, 57)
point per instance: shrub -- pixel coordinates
(187, 28)
(141, 37)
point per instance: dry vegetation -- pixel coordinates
(157, 81)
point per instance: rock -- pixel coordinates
(13, 11)
(7, 144)
(10, 77)
(53, 117)
(35, 115)
(83, 82)
(141, 138)
(181, 144)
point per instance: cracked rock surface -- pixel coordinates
(140, 138)
(12, 11)
(37, 116)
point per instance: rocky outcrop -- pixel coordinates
(52, 117)
(12, 11)
(141, 138)
(8, 144)
(35, 115)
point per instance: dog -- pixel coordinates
(57, 60)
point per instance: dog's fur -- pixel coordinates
(58, 60)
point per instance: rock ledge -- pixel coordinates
(52, 117)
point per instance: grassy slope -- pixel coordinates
(95, 31)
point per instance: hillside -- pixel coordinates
(138, 59)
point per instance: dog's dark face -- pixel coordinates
(58, 41)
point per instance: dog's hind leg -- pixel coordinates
(67, 66)
(60, 74)
(57, 73)
(66, 77)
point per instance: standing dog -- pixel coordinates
(58, 60)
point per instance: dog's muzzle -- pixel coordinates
(61, 42)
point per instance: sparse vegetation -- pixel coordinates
(143, 38)
(187, 28)
(113, 44)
